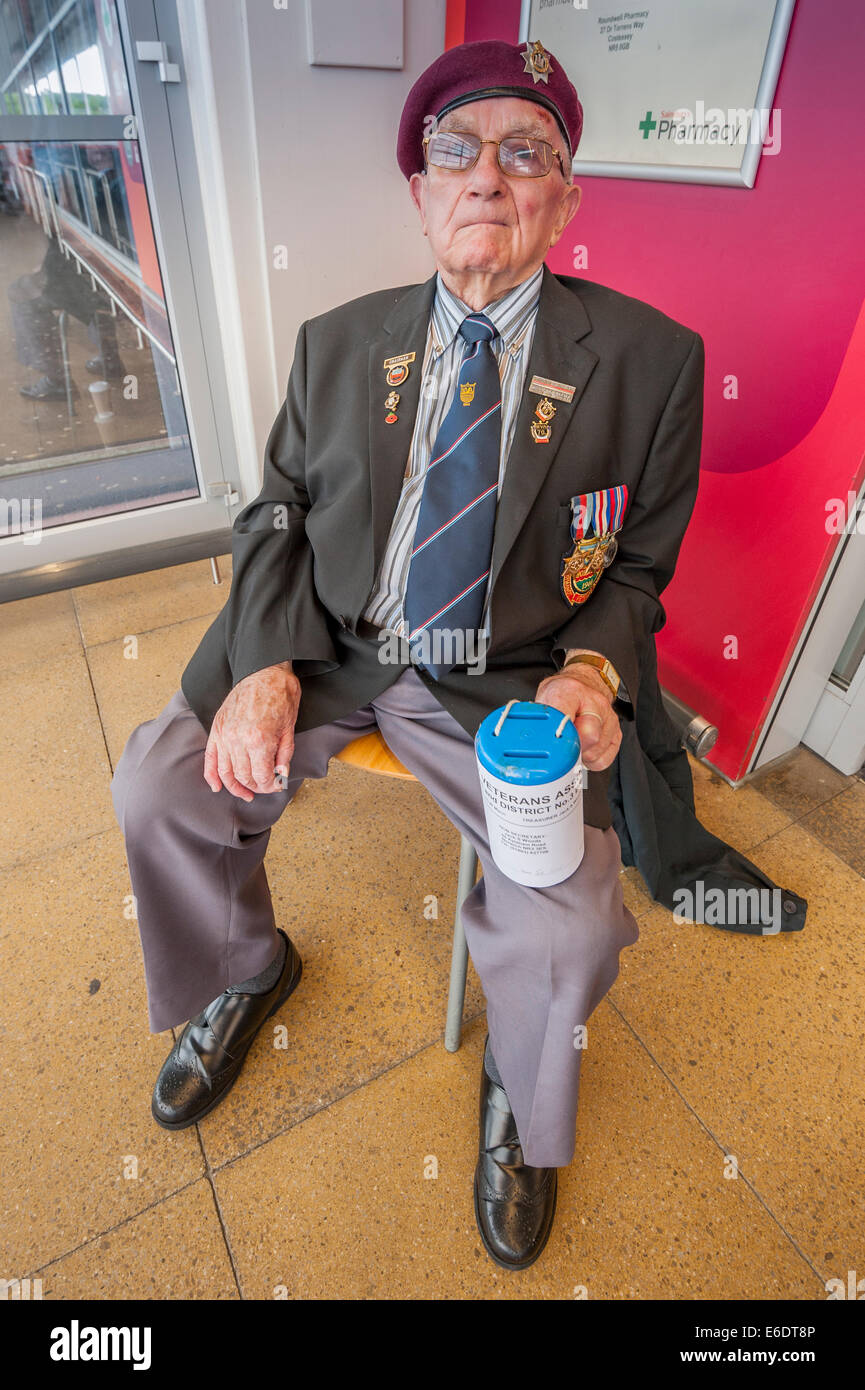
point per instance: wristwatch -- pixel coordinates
(605, 669)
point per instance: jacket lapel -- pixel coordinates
(403, 331)
(556, 354)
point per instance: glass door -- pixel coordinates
(109, 439)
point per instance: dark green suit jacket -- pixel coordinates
(306, 550)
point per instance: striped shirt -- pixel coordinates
(514, 318)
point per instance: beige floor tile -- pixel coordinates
(738, 815)
(77, 1061)
(763, 1037)
(55, 774)
(174, 1250)
(635, 892)
(339, 1206)
(110, 611)
(352, 865)
(840, 824)
(36, 630)
(799, 782)
(130, 690)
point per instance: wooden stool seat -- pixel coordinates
(372, 753)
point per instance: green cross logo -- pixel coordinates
(646, 125)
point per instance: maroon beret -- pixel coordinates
(490, 68)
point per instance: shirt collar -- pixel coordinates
(511, 314)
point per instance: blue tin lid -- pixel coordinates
(518, 743)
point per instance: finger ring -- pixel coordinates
(590, 714)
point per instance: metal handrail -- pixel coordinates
(695, 732)
(44, 189)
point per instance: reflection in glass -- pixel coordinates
(91, 415)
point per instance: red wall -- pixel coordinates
(772, 278)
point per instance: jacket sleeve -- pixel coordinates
(625, 608)
(273, 613)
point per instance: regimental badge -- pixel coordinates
(544, 412)
(595, 519)
(467, 392)
(537, 61)
(397, 368)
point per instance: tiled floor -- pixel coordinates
(719, 1145)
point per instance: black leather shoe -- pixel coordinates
(47, 389)
(114, 371)
(205, 1062)
(514, 1203)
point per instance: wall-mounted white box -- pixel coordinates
(344, 33)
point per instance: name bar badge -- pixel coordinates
(559, 390)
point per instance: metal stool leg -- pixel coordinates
(460, 954)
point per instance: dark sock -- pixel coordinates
(260, 984)
(490, 1067)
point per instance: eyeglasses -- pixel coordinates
(522, 156)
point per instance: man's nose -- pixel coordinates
(485, 176)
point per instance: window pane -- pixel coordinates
(92, 421)
(78, 66)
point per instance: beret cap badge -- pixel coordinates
(537, 61)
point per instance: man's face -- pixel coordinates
(481, 221)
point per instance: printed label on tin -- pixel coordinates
(535, 832)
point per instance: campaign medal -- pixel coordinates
(595, 519)
(397, 368)
(541, 428)
(390, 405)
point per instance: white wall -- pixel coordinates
(331, 189)
(302, 157)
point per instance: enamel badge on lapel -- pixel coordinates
(390, 405)
(541, 429)
(595, 519)
(397, 368)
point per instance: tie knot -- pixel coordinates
(477, 328)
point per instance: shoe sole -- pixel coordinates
(508, 1264)
(211, 1105)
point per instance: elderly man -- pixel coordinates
(499, 453)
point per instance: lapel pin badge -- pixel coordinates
(397, 368)
(541, 426)
(390, 405)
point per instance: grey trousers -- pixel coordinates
(545, 956)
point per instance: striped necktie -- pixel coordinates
(452, 547)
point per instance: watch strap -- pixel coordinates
(604, 667)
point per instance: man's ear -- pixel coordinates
(417, 189)
(568, 210)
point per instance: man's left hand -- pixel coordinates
(581, 693)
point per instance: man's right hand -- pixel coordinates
(253, 733)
